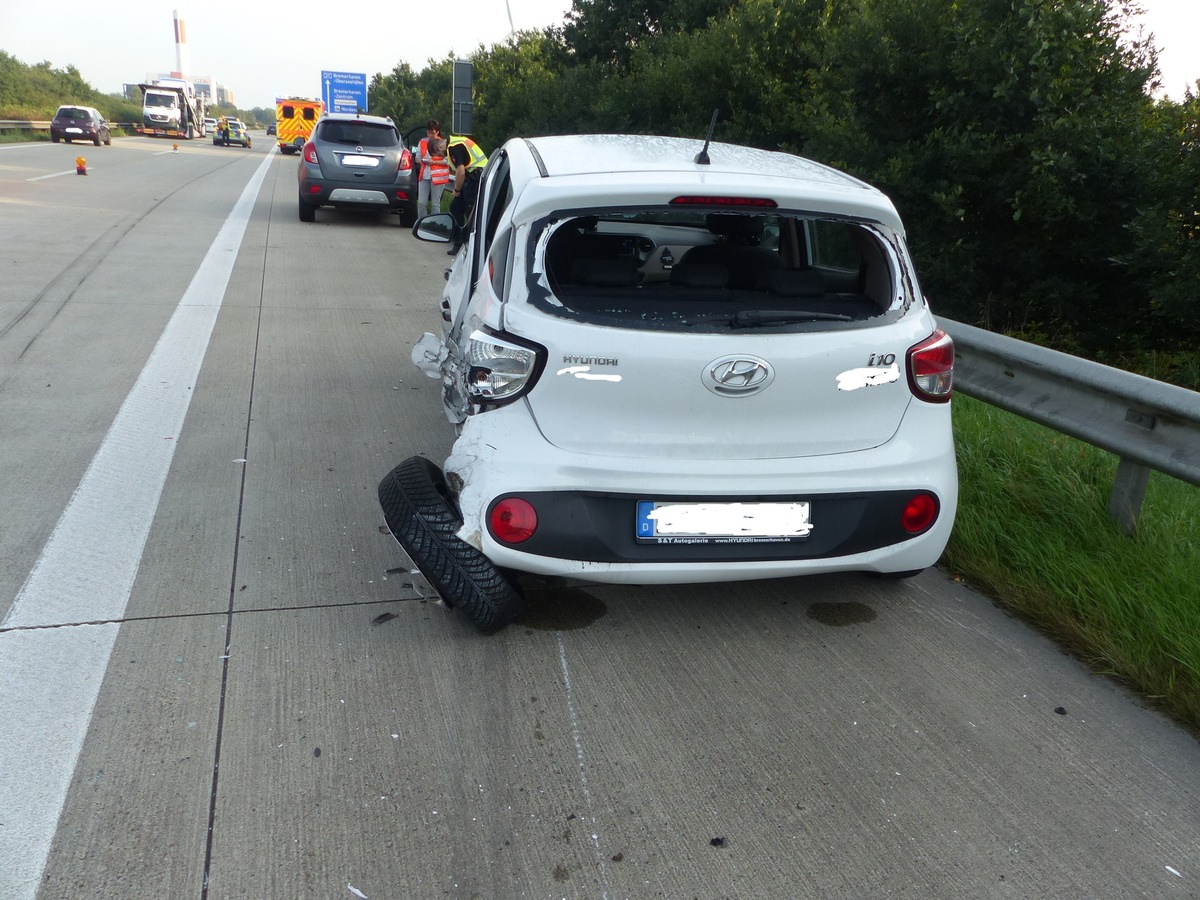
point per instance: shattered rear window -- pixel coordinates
(717, 271)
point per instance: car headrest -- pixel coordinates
(733, 225)
(700, 275)
(606, 272)
(792, 282)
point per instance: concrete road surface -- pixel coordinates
(218, 678)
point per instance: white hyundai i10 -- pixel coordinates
(670, 360)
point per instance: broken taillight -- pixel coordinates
(499, 369)
(931, 367)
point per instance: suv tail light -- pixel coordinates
(310, 153)
(931, 367)
(406, 161)
(499, 370)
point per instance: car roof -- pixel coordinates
(643, 164)
(358, 117)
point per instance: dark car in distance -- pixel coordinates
(357, 162)
(79, 123)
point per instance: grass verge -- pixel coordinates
(1033, 531)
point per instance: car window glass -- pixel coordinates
(364, 133)
(498, 259)
(718, 271)
(496, 193)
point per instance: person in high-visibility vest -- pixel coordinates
(468, 160)
(435, 170)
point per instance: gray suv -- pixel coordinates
(356, 161)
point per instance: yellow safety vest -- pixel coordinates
(478, 157)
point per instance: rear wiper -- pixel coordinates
(749, 318)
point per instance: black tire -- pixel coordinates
(54, 140)
(895, 576)
(96, 140)
(419, 510)
(308, 212)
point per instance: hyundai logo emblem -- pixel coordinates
(738, 376)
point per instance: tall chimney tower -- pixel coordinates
(183, 65)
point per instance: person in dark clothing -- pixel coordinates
(466, 190)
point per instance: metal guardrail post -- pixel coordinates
(1129, 489)
(1148, 424)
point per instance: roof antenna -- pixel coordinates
(702, 157)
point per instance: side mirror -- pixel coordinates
(438, 228)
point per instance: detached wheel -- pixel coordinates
(419, 509)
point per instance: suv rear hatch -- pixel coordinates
(362, 151)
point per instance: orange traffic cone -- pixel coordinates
(174, 148)
(80, 165)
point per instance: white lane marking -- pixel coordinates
(49, 679)
(53, 175)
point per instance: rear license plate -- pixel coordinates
(721, 523)
(360, 162)
(74, 131)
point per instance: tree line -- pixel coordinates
(1046, 191)
(34, 92)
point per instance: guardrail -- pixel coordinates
(1148, 424)
(23, 123)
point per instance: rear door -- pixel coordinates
(683, 363)
(359, 151)
(609, 391)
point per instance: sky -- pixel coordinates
(261, 50)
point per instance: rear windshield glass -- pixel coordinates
(367, 134)
(73, 112)
(669, 268)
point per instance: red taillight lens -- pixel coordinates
(513, 520)
(931, 367)
(406, 161)
(310, 153)
(919, 513)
